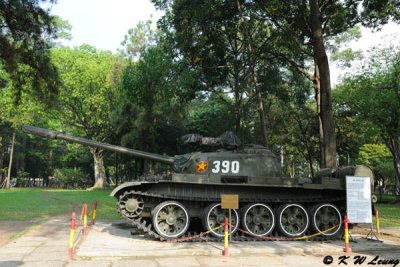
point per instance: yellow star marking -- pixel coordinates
(202, 166)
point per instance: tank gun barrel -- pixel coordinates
(69, 138)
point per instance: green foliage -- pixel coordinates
(207, 69)
(208, 118)
(345, 57)
(139, 39)
(63, 29)
(88, 93)
(378, 12)
(24, 45)
(228, 50)
(374, 94)
(72, 178)
(379, 159)
(372, 97)
(373, 154)
(149, 95)
(154, 90)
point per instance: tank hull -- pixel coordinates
(196, 197)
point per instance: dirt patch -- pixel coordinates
(9, 229)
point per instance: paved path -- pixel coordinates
(44, 245)
(107, 245)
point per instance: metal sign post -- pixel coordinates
(230, 202)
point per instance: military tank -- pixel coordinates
(270, 204)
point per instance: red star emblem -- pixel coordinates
(202, 166)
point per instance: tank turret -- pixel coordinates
(252, 164)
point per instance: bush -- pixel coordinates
(69, 178)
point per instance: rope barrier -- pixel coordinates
(193, 237)
(317, 234)
(286, 238)
(252, 235)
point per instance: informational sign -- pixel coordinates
(358, 193)
(230, 201)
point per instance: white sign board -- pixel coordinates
(358, 193)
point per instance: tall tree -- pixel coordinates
(155, 87)
(229, 48)
(87, 96)
(12, 116)
(375, 95)
(27, 33)
(304, 27)
(154, 95)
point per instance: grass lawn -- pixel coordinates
(389, 215)
(389, 211)
(27, 204)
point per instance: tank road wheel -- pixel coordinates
(325, 216)
(257, 219)
(292, 219)
(130, 205)
(170, 219)
(213, 217)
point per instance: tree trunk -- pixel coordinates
(237, 107)
(326, 113)
(394, 146)
(2, 153)
(317, 91)
(237, 89)
(147, 135)
(260, 109)
(7, 183)
(100, 180)
(254, 77)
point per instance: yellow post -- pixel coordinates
(226, 237)
(71, 236)
(377, 221)
(85, 215)
(94, 212)
(346, 234)
(82, 212)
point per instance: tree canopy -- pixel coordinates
(27, 29)
(373, 97)
(259, 68)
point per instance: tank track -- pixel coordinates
(190, 236)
